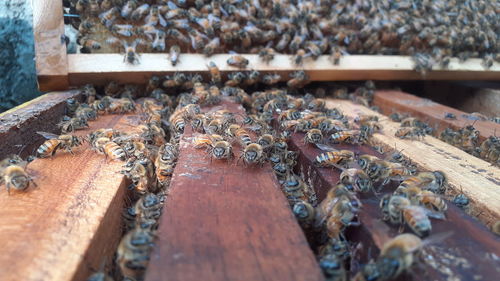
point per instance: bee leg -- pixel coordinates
(401, 228)
(8, 188)
(34, 183)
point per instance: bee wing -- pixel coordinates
(325, 147)
(163, 22)
(48, 136)
(434, 214)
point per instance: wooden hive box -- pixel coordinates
(77, 223)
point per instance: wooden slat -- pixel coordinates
(50, 48)
(70, 224)
(470, 242)
(19, 125)
(224, 221)
(478, 179)
(102, 68)
(431, 112)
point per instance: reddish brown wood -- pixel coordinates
(19, 125)
(471, 240)
(431, 112)
(69, 225)
(225, 221)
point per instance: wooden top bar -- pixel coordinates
(102, 68)
(224, 221)
(476, 178)
(69, 225)
(50, 46)
(431, 112)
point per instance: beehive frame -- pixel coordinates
(57, 70)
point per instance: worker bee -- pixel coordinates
(88, 43)
(313, 136)
(69, 125)
(251, 78)
(398, 210)
(237, 61)
(174, 54)
(347, 136)
(299, 79)
(214, 73)
(55, 142)
(266, 54)
(159, 41)
(450, 116)
(334, 158)
(120, 106)
(131, 55)
(333, 267)
(132, 255)
(234, 79)
(305, 214)
(128, 8)
(266, 141)
(433, 181)
(164, 169)
(13, 173)
(109, 148)
(147, 208)
(271, 79)
(253, 153)
(299, 57)
(335, 54)
(221, 150)
(357, 178)
(342, 214)
(211, 47)
(108, 17)
(410, 133)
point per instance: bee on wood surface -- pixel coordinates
(13, 174)
(305, 214)
(215, 76)
(211, 47)
(148, 208)
(334, 158)
(235, 79)
(253, 153)
(433, 181)
(121, 106)
(140, 12)
(299, 57)
(313, 136)
(333, 268)
(131, 56)
(221, 150)
(109, 148)
(450, 116)
(410, 133)
(357, 178)
(238, 61)
(267, 54)
(266, 141)
(55, 142)
(108, 17)
(89, 44)
(69, 125)
(174, 54)
(347, 136)
(341, 215)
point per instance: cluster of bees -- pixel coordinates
(429, 32)
(465, 138)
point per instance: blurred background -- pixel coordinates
(17, 53)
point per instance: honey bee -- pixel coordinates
(299, 57)
(121, 106)
(165, 164)
(410, 133)
(13, 174)
(214, 73)
(131, 55)
(266, 141)
(107, 18)
(313, 136)
(342, 214)
(299, 79)
(235, 78)
(178, 123)
(159, 41)
(334, 158)
(71, 124)
(266, 54)
(253, 153)
(109, 148)
(140, 12)
(237, 61)
(132, 255)
(211, 47)
(126, 30)
(333, 268)
(398, 210)
(89, 43)
(154, 17)
(335, 54)
(348, 136)
(55, 142)
(433, 181)
(205, 141)
(221, 150)
(305, 214)
(147, 208)
(128, 8)
(87, 113)
(251, 78)
(174, 54)
(357, 178)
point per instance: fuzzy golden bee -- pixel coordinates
(13, 174)
(55, 142)
(334, 158)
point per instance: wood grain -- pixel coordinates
(224, 221)
(69, 224)
(19, 125)
(430, 112)
(471, 242)
(476, 178)
(50, 47)
(102, 68)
